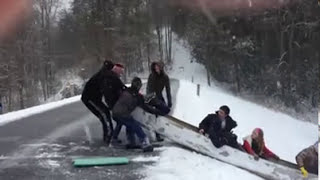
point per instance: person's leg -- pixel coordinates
(136, 127)
(160, 104)
(105, 119)
(130, 137)
(232, 141)
(163, 107)
(92, 109)
(130, 133)
(145, 143)
(116, 132)
(216, 140)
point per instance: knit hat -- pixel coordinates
(225, 109)
(136, 83)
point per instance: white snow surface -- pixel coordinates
(180, 164)
(17, 115)
(146, 159)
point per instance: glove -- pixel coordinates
(256, 157)
(201, 131)
(304, 172)
(169, 104)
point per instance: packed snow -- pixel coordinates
(17, 115)
(146, 159)
(180, 164)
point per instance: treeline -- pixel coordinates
(273, 54)
(54, 43)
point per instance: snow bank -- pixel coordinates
(146, 159)
(17, 115)
(180, 164)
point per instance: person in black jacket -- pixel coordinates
(128, 101)
(105, 83)
(219, 127)
(157, 81)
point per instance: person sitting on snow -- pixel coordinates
(126, 104)
(219, 127)
(307, 160)
(254, 144)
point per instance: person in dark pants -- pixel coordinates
(219, 127)
(157, 81)
(105, 83)
(128, 101)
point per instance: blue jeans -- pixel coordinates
(133, 127)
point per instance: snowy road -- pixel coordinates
(42, 147)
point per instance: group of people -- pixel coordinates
(218, 127)
(108, 98)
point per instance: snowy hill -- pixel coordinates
(284, 135)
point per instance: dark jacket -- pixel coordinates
(157, 82)
(104, 83)
(213, 123)
(128, 101)
(219, 136)
(308, 158)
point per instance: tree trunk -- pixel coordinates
(158, 29)
(21, 95)
(148, 56)
(10, 100)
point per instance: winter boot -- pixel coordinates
(107, 140)
(146, 146)
(131, 139)
(132, 146)
(115, 142)
(159, 138)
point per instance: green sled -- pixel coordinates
(100, 161)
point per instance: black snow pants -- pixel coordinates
(99, 109)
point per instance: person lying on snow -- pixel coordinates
(128, 101)
(307, 160)
(254, 144)
(218, 127)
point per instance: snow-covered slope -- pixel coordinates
(284, 135)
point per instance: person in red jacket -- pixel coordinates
(254, 144)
